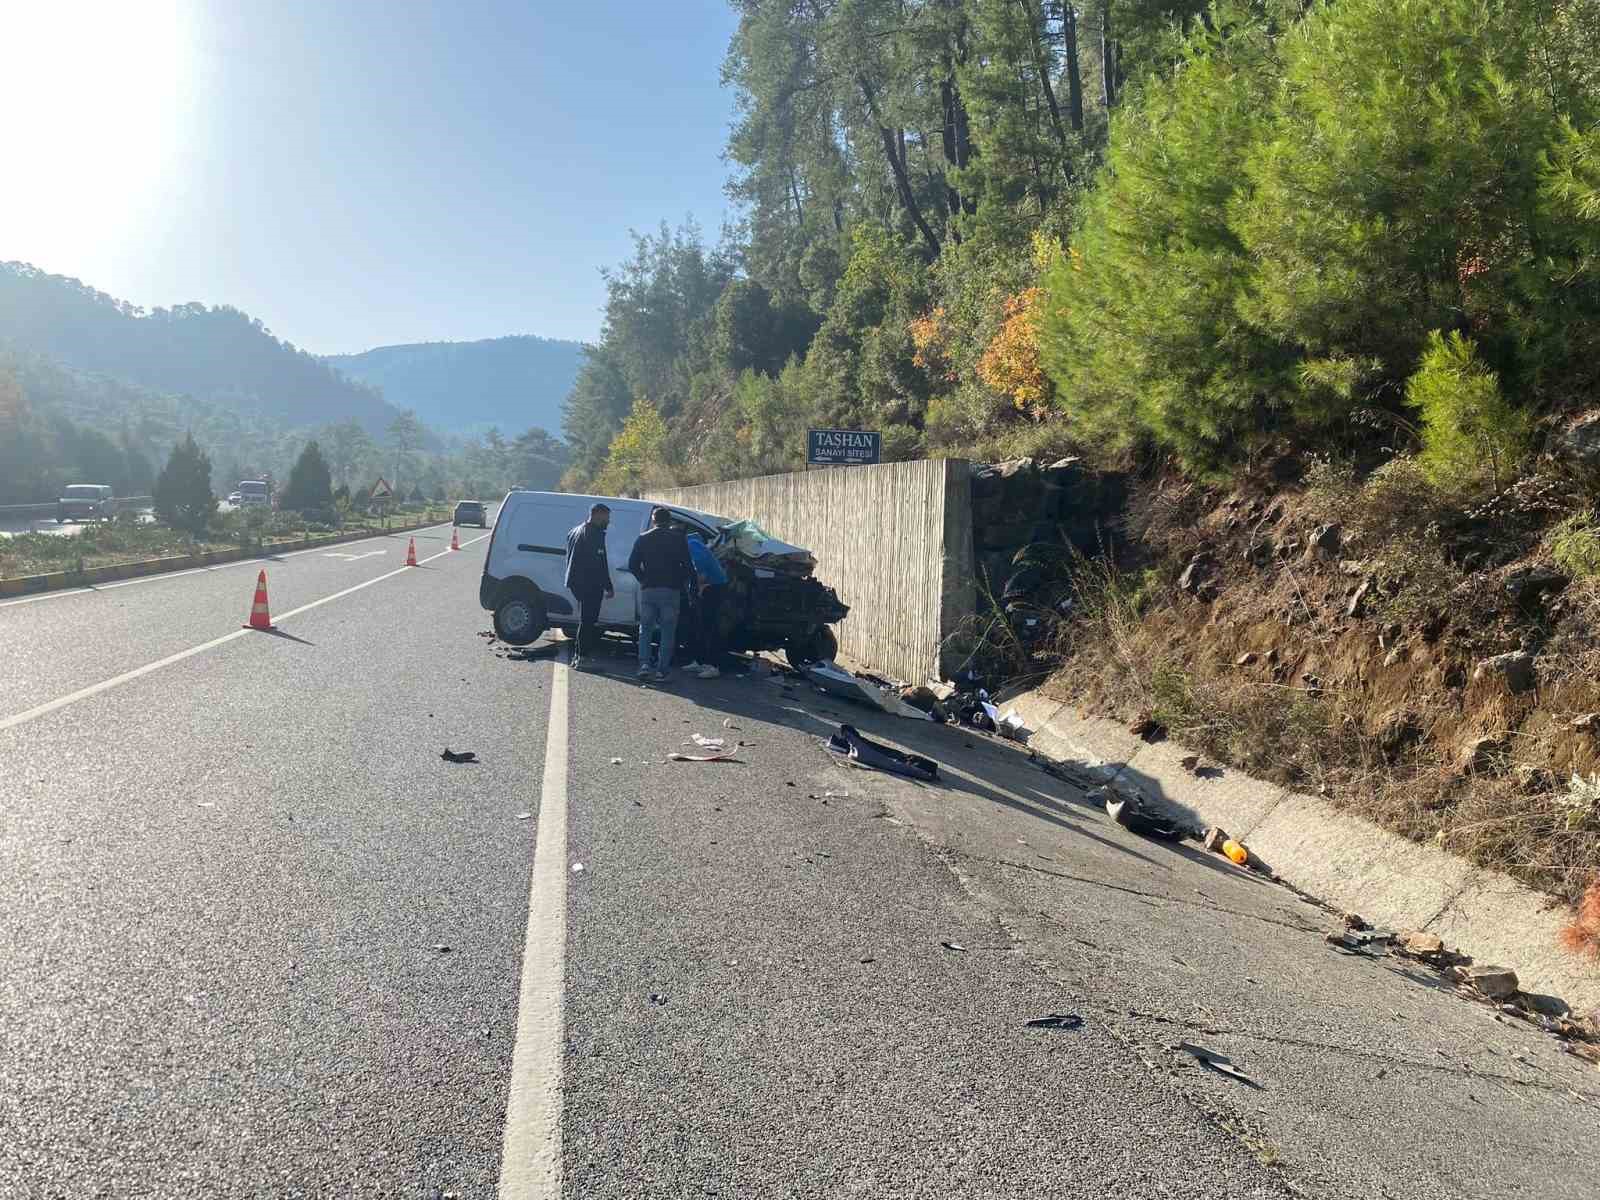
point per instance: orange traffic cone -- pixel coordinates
(259, 619)
(411, 553)
(455, 539)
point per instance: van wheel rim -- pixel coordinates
(517, 617)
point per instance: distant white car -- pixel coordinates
(233, 497)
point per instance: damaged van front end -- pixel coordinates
(774, 600)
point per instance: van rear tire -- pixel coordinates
(518, 619)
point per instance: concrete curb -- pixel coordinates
(25, 585)
(1338, 857)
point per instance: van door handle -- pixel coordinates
(561, 550)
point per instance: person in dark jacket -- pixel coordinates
(660, 562)
(589, 578)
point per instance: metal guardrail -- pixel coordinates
(49, 510)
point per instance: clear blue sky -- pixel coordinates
(355, 172)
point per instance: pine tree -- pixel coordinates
(183, 496)
(310, 487)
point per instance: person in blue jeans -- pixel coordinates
(713, 582)
(660, 562)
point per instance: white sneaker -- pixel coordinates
(690, 666)
(708, 672)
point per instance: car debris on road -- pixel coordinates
(1057, 1021)
(465, 756)
(1219, 1063)
(848, 745)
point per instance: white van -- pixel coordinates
(524, 572)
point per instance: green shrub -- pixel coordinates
(1575, 545)
(1469, 431)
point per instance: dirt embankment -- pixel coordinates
(1431, 665)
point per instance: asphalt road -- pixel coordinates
(257, 939)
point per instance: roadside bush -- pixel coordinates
(1575, 545)
(1469, 431)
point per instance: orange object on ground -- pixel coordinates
(455, 539)
(411, 553)
(1236, 852)
(259, 617)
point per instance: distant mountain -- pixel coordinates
(463, 387)
(211, 354)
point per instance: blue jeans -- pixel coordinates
(658, 613)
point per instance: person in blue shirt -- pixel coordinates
(712, 584)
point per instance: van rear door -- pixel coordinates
(533, 546)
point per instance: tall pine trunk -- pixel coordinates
(1108, 68)
(894, 152)
(1069, 34)
(1035, 39)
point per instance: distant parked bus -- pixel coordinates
(254, 492)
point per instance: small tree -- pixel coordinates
(310, 487)
(182, 494)
(637, 457)
(1468, 427)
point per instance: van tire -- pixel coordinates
(816, 645)
(518, 618)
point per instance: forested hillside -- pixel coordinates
(1131, 229)
(94, 390)
(207, 353)
(512, 382)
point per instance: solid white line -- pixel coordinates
(162, 576)
(530, 1154)
(105, 685)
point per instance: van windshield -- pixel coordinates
(82, 491)
(252, 489)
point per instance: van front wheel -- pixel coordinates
(518, 619)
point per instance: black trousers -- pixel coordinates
(589, 620)
(708, 625)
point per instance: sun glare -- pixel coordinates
(91, 104)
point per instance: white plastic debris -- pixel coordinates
(577, 868)
(1011, 725)
(616, 762)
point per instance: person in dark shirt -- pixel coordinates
(660, 562)
(589, 578)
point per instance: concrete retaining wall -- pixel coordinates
(895, 540)
(1338, 857)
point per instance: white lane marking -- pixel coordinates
(105, 685)
(162, 576)
(530, 1154)
(354, 557)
